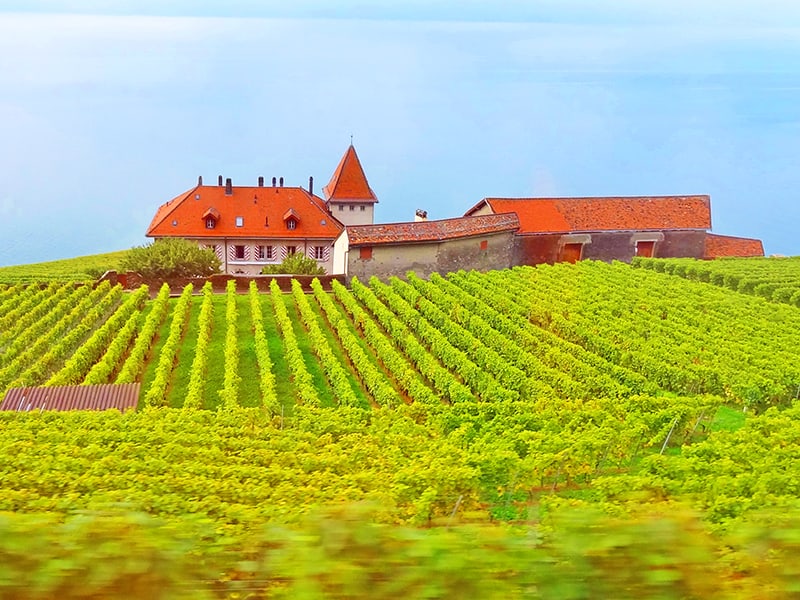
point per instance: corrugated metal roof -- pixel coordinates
(124, 396)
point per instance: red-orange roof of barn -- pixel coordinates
(430, 231)
(639, 213)
(721, 246)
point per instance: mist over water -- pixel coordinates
(107, 117)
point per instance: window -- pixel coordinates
(210, 223)
(238, 252)
(259, 252)
(318, 252)
(269, 252)
(291, 224)
(484, 244)
(291, 250)
(645, 248)
(571, 253)
(363, 208)
(341, 207)
(240, 221)
(365, 252)
(352, 208)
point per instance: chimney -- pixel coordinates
(281, 181)
(311, 185)
(260, 181)
(200, 180)
(420, 215)
(219, 181)
(228, 187)
(273, 182)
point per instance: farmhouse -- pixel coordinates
(481, 242)
(615, 228)
(252, 226)
(249, 227)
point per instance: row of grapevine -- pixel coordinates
(104, 369)
(303, 383)
(156, 393)
(50, 351)
(55, 293)
(336, 374)
(487, 358)
(43, 326)
(135, 362)
(406, 377)
(81, 362)
(573, 369)
(776, 279)
(373, 378)
(25, 302)
(194, 395)
(230, 383)
(266, 377)
(686, 336)
(443, 381)
(482, 383)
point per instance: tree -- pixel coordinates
(171, 257)
(295, 264)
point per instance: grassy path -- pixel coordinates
(249, 391)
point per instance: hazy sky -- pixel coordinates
(109, 109)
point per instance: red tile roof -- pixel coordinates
(719, 246)
(430, 231)
(349, 182)
(183, 216)
(561, 215)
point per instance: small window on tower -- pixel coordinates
(341, 208)
(363, 208)
(352, 208)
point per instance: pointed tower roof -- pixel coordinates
(349, 184)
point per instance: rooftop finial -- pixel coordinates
(351, 139)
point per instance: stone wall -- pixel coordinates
(219, 282)
(483, 253)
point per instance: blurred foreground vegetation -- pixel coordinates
(342, 554)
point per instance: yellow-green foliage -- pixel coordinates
(81, 268)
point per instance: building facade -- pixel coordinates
(614, 228)
(249, 227)
(483, 242)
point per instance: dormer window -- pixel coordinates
(291, 218)
(240, 221)
(211, 216)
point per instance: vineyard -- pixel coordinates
(522, 396)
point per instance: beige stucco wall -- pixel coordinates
(342, 211)
(439, 257)
(251, 265)
(340, 248)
